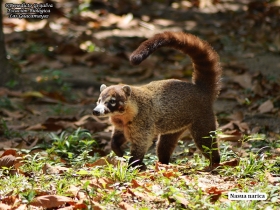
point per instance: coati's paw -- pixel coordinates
(137, 163)
(117, 149)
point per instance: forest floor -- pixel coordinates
(62, 61)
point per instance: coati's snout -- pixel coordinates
(100, 110)
(112, 100)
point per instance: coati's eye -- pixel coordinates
(112, 101)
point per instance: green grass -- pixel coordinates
(66, 162)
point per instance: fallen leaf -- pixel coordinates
(77, 192)
(236, 116)
(104, 183)
(15, 115)
(265, 107)
(271, 179)
(96, 206)
(82, 206)
(233, 162)
(5, 206)
(7, 161)
(37, 127)
(32, 94)
(235, 136)
(50, 201)
(21, 207)
(48, 169)
(136, 184)
(9, 152)
(235, 124)
(10, 200)
(163, 167)
(257, 88)
(125, 206)
(142, 195)
(90, 123)
(214, 192)
(244, 80)
(54, 95)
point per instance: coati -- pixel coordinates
(165, 108)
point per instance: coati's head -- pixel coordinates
(112, 100)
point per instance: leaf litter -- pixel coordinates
(100, 44)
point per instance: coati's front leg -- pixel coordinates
(117, 140)
(166, 145)
(139, 146)
(200, 131)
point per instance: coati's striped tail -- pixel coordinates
(207, 70)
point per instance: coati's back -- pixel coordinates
(175, 104)
(207, 71)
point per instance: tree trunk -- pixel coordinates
(5, 70)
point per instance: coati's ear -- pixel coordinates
(127, 90)
(102, 87)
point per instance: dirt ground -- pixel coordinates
(58, 51)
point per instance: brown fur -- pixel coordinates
(167, 108)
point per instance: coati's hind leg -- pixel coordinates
(200, 131)
(118, 139)
(166, 145)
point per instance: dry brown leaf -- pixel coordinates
(236, 116)
(242, 126)
(125, 206)
(9, 152)
(77, 192)
(235, 136)
(103, 161)
(89, 123)
(50, 201)
(54, 95)
(48, 169)
(277, 151)
(214, 192)
(244, 80)
(15, 115)
(69, 49)
(233, 162)
(265, 107)
(5, 206)
(160, 167)
(272, 179)
(81, 206)
(104, 183)
(257, 88)
(136, 184)
(10, 200)
(143, 196)
(36, 58)
(55, 124)
(32, 94)
(7, 161)
(21, 207)
(96, 206)
(37, 127)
